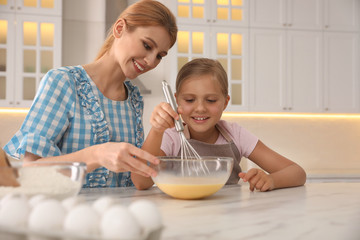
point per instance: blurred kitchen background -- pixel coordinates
(293, 66)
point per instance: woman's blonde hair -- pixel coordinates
(203, 66)
(143, 14)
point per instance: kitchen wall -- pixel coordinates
(323, 146)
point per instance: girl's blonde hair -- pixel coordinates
(144, 13)
(203, 66)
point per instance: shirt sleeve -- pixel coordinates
(170, 144)
(47, 120)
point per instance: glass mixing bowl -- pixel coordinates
(52, 179)
(192, 178)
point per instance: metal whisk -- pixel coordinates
(187, 152)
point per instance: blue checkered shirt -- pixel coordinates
(69, 113)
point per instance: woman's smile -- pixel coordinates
(138, 67)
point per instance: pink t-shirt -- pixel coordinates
(243, 139)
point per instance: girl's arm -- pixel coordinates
(162, 118)
(152, 145)
(282, 171)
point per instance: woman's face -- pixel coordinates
(140, 50)
(201, 103)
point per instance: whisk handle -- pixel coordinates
(171, 100)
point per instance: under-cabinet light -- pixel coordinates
(292, 115)
(14, 110)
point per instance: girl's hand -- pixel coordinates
(123, 157)
(163, 117)
(258, 180)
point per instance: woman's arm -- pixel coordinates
(282, 171)
(117, 157)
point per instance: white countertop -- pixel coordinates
(318, 210)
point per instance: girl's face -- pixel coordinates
(140, 50)
(201, 103)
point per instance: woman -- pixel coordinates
(90, 113)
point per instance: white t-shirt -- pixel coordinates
(243, 139)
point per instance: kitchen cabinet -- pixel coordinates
(304, 66)
(341, 72)
(289, 14)
(218, 30)
(214, 12)
(30, 45)
(342, 15)
(285, 69)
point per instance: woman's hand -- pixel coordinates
(123, 157)
(117, 157)
(258, 180)
(163, 117)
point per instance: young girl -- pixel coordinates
(202, 96)
(91, 113)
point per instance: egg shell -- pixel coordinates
(103, 203)
(14, 212)
(48, 215)
(71, 202)
(83, 220)
(36, 199)
(147, 214)
(8, 196)
(118, 222)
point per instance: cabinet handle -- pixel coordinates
(208, 20)
(326, 109)
(213, 20)
(284, 108)
(11, 102)
(18, 8)
(284, 24)
(12, 8)
(290, 108)
(17, 103)
(289, 25)
(326, 26)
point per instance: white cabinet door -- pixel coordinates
(48, 7)
(30, 45)
(285, 71)
(7, 59)
(342, 15)
(304, 14)
(37, 52)
(304, 71)
(294, 14)
(268, 13)
(341, 75)
(267, 70)
(225, 13)
(192, 42)
(230, 47)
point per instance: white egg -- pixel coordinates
(82, 220)
(103, 203)
(14, 211)
(117, 222)
(147, 214)
(8, 196)
(47, 215)
(70, 202)
(34, 200)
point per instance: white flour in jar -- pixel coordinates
(43, 180)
